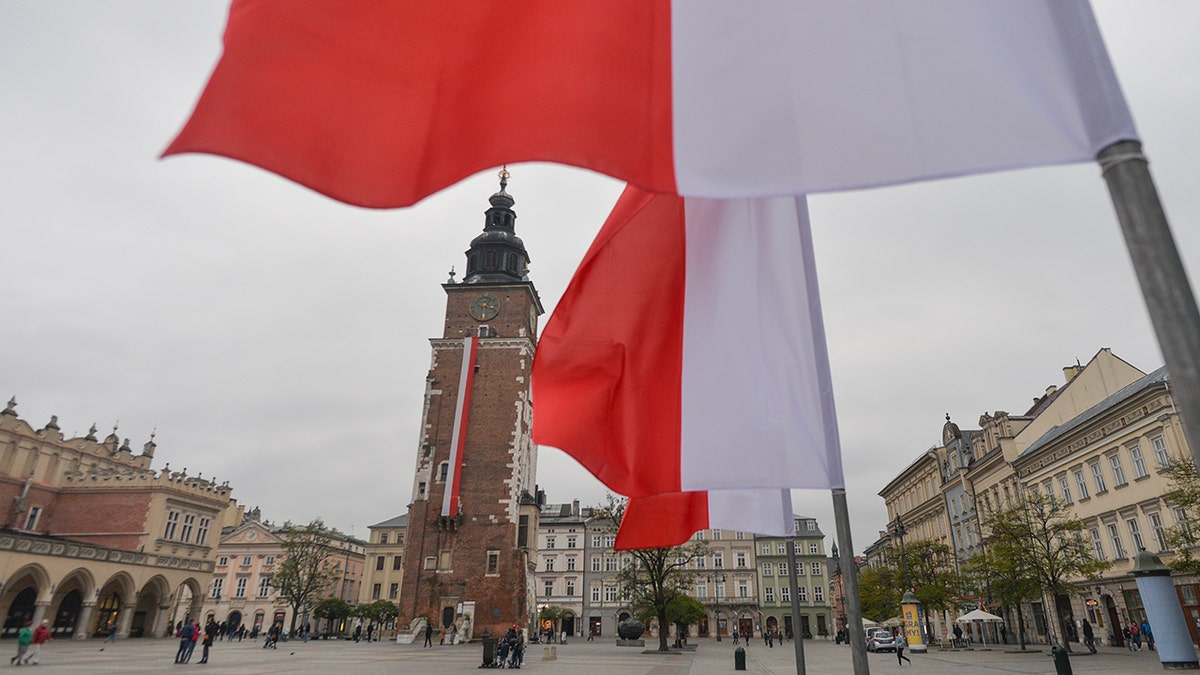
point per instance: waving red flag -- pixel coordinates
(382, 103)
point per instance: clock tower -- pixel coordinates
(472, 523)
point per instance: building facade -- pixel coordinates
(385, 563)
(561, 565)
(249, 554)
(95, 540)
(472, 521)
(816, 585)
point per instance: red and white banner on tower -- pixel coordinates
(384, 103)
(458, 439)
(688, 352)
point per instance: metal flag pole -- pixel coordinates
(858, 637)
(1161, 276)
(797, 627)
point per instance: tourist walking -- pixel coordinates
(41, 635)
(735, 635)
(23, 639)
(185, 641)
(1147, 634)
(1089, 636)
(901, 643)
(428, 634)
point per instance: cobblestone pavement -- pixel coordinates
(128, 657)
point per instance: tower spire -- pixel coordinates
(497, 255)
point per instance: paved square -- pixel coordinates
(577, 658)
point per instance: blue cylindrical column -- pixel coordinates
(1161, 603)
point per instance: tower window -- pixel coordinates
(489, 260)
(512, 263)
(485, 331)
(421, 489)
(443, 471)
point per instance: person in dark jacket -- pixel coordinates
(210, 633)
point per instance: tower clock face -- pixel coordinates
(485, 307)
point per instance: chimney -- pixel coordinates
(1070, 372)
(1051, 389)
(575, 507)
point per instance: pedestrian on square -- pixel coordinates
(196, 633)
(428, 635)
(24, 638)
(1136, 634)
(185, 641)
(1147, 634)
(901, 643)
(41, 634)
(1089, 636)
(735, 636)
(210, 632)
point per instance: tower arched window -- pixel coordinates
(443, 472)
(489, 260)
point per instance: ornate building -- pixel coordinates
(472, 522)
(561, 564)
(94, 540)
(241, 591)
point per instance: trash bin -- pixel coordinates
(1062, 662)
(489, 652)
(739, 659)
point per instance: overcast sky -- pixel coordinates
(279, 340)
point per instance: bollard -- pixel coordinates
(739, 659)
(550, 653)
(489, 651)
(1062, 663)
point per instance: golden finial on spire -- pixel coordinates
(504, 174)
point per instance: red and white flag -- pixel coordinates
(660, 521)
(688, 352)
(384, 103)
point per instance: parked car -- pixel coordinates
(880, 640)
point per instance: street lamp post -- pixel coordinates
(840, 588)
(714, 579)
(899, 533)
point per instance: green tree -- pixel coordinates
(1184, 495)
(332, 610)
(1002, 576)
(653, 576)
(683, 610)
(1044, 531)
(554, 615)
(377, 612)
(879, 592)
(308, 566)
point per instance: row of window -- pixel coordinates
(768, 569)
(1134, 530)
(393, 591)
(380, 561)
(1095, 471)
(223, 561)
(781, 548)
(383, 537)
(785, 594)
(239, 587)
(182, 526)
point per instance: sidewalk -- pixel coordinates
(146, 655)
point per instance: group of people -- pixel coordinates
(510, 649)
(29, 643)
(1134, 634)
(189, 634)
